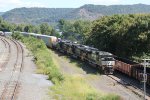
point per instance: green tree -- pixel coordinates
(29, 28)
(124, 35)
(75, 30)
(45, 29)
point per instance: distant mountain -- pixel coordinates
(1, 13)
(95, 11)
(53, 15)
(35, 15)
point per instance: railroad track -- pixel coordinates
(129, 86)
(4, 42)
(11, 86)
(6, 59)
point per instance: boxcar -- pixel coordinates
(28, 34)
(50, 41)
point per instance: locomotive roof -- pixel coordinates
(87, 48)
(104, 53)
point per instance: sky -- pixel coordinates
(6, 5)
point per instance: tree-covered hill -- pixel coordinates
(35, 15)
(52, 15)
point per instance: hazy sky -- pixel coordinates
(6, 5)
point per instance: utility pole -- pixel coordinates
(145, 79)
(146, 62)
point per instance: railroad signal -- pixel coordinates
(142, 77)
(145, 77)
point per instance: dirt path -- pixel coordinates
(99, 82)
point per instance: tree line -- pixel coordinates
(43, 28)
(123, 35)
(75, 30)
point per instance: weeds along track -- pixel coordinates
(11, 86)
(129, 86)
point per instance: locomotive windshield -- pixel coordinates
(108, 59)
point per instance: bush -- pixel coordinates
(17, 36)
(43, 59)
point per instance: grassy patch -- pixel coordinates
(75, 88)
(43, 59)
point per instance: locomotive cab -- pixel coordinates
(108, 64)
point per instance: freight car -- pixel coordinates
(28, 34)
(124, 65)
(7, 34)
(50, 41)
(131, 69)
(137, 73)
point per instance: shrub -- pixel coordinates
(43, 59)
(17, 36)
